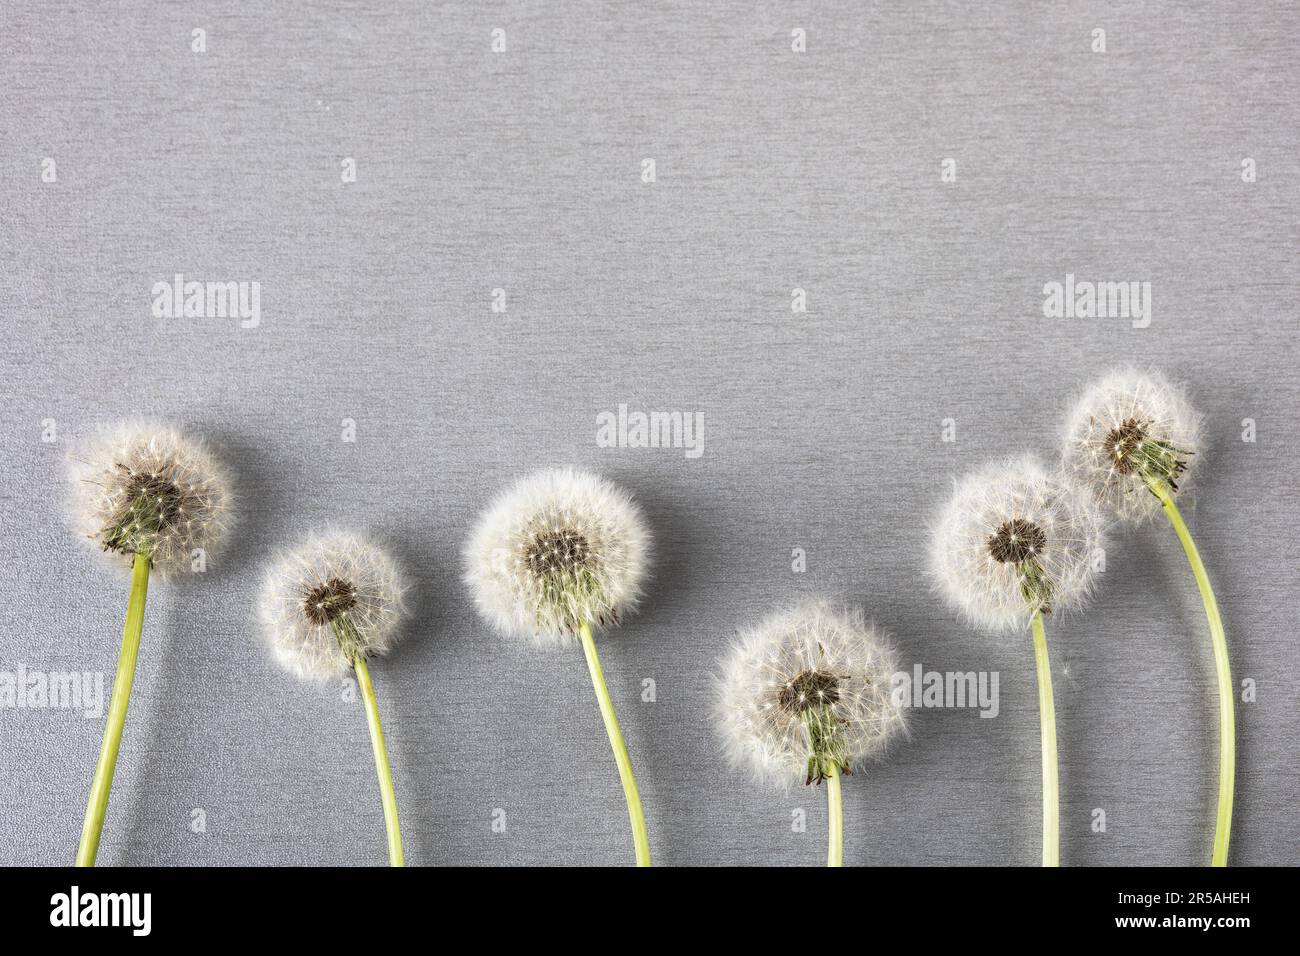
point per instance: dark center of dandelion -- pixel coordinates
(809, 689)
(1122, 444)
(150, 504)
(155, 494)
(1016, 541)
(556, 552)
(327, 601)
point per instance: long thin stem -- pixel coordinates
(1047, 726)
(382, 769)
(835, 813)
(1223, 671)
(640, 839)
(97, 805)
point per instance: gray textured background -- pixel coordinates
(521, 170)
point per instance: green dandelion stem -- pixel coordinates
(640, 839)
(382, 768)
(835, 814)
(1047, 725)
(1223, 672)
(97, 805)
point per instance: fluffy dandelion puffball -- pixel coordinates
(336, 598)
(1016, 540)
(1130, 429)
(807, 689)
(144, 488)
(558, 549)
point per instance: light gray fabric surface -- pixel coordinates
(522, 171)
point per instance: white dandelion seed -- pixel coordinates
(144, 488)
(1015, 540)
(333, 600)
(805, 691)
(1127, 431)
(558, 549)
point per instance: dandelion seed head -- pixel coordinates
(557, 549)
(145, 488)
(337, 597)
(1131, 428)
(1015, 539)
(805, 689)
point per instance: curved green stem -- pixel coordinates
(382, 769)
(1223, 671)
(1047, 725)
(835, 812)
(640, 839)
(97, 805)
